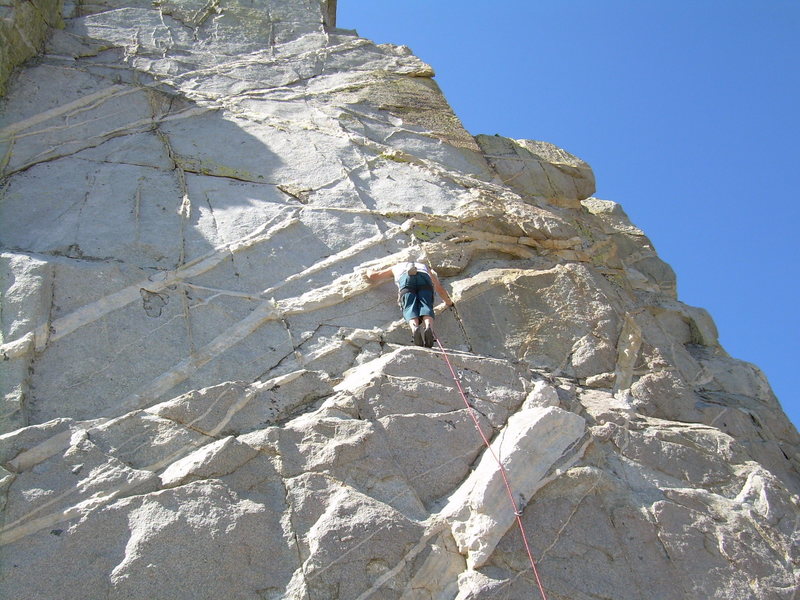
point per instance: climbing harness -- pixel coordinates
(517, 509)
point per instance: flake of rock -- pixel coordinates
(542, 395)
(534, 442)
(214, 460)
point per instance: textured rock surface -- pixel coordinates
(202, 397)
(24, 26)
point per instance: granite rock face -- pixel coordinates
(24, 25)
(203, 397)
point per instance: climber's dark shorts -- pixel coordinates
(418, 300)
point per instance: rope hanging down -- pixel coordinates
(517, 511)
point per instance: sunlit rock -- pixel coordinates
(204, 397)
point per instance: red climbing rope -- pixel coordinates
(517, 511)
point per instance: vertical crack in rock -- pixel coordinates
(9, 139)
(184, 212)
(630, 341)
(299, 576)
(565, 523)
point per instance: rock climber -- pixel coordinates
(416, 283)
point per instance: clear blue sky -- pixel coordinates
(686, 110)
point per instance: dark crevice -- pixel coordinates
(73, 252)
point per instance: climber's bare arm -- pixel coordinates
(375, 276)
(437, 285)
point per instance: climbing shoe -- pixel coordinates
(418, 336)
(428, 337)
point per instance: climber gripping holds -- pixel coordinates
(416, 284)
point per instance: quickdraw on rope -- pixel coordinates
(517, 510)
